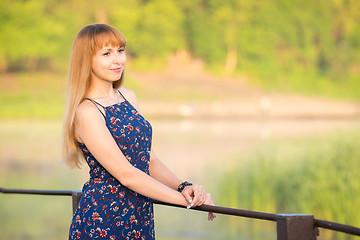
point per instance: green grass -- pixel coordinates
(29, 95)
(34, 95)
(307, 83)
(42, 94)
(318, 176)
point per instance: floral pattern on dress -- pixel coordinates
(107, 209)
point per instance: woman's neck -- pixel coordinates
(101, 90)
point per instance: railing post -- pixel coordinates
(75, 195)
(296, 227)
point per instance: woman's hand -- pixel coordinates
(195, 195)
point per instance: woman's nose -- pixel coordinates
(120, 58)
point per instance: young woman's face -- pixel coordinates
(108, 64)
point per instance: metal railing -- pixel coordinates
(289, 226)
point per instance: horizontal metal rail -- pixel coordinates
(204, 208)
(38, 192)
(337, 227)
(284, 221)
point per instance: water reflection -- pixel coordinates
(199, 150)
(198, 144)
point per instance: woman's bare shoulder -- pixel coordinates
(86, 117)
(127, 92)
(86, 110)
(129, 95)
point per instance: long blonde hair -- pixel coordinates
(87, 42)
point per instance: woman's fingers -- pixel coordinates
(209, 201)
(211, 216)
(187, 193)
(199, 196)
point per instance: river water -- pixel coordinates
(195, 149)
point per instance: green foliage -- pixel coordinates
(277, 42)
(311, 176)
(31, 33)
(152, 29)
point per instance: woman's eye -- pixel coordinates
(106, 54)
(121, 50)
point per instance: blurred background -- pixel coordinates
(258, 101)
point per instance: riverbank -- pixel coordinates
(181, 91)
(187, 91)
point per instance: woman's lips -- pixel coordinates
(116, 69)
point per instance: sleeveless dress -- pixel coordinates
(107, 209)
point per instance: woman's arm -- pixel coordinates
(195, 194)
(92, 131)
(160, 172)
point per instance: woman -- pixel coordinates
(103, 124)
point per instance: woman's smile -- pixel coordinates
(117, 70)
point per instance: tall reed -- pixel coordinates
(317, 176)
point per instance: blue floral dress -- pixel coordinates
(107, 209)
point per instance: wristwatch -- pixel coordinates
(183, 185)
